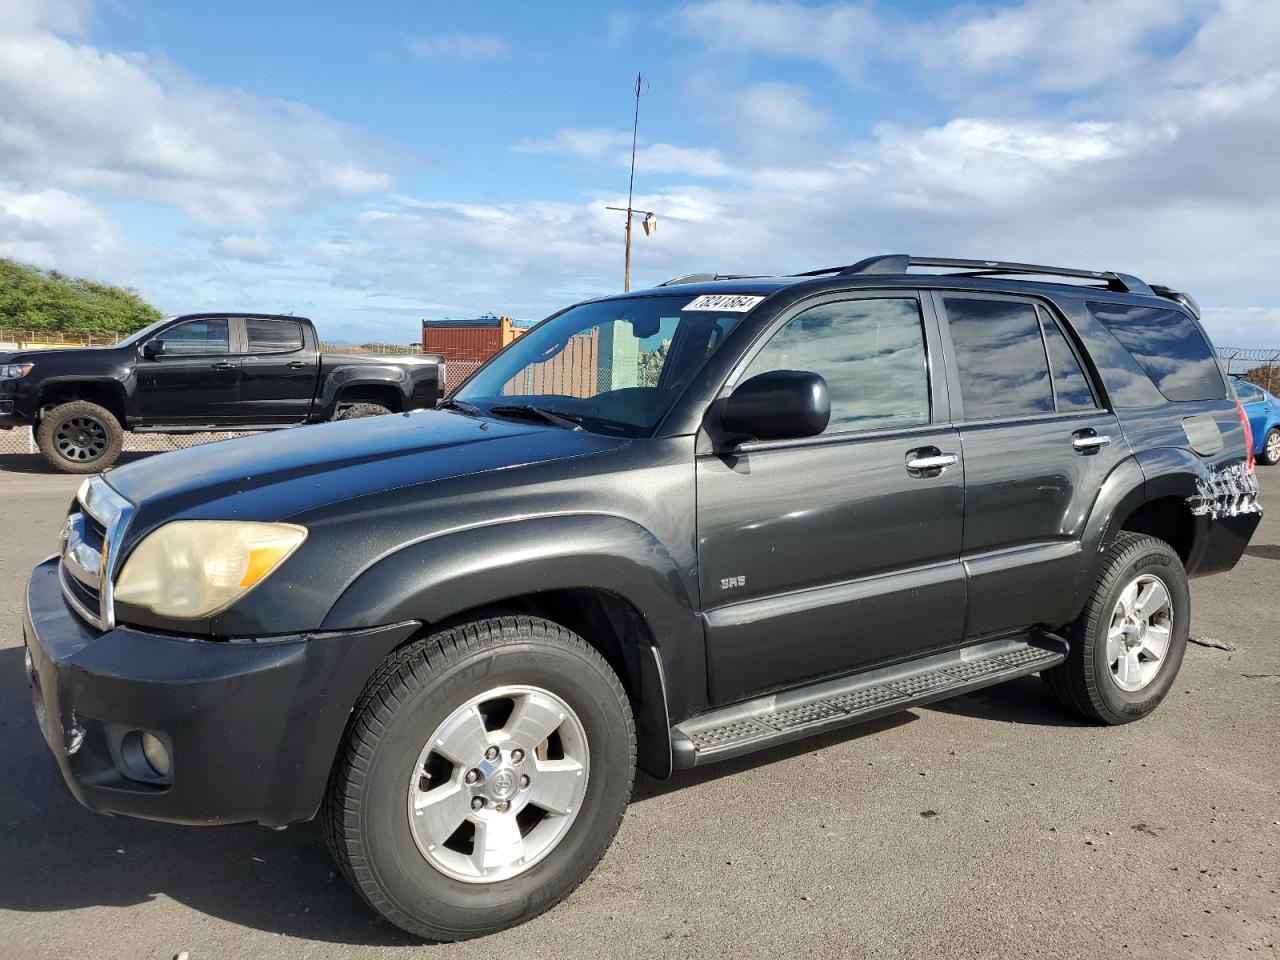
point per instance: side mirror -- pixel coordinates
(778, 405)
(152, 349)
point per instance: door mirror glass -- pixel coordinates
(152, 349)
(777, 405)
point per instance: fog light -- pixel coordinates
(154, 750)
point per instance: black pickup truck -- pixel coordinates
(206, 371)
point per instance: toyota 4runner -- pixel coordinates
(662, 528)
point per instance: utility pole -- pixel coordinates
(650, 222)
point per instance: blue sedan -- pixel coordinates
(1263, 411)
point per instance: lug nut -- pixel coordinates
(517, 755)
(477, 803)
(472, 776)
(524, 781)
(504, 806)
(491, 753)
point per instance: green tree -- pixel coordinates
(46, 300)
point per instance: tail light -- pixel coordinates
(1248, 436)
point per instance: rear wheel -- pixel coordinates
(80, 437)
(358, 410)
(1271, 448)
(1127, 645)
(484, 774)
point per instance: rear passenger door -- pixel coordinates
(1037, 445)
(826, 554)
(278, 372)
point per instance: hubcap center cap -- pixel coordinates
(504, 784)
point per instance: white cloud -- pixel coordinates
(613, 147)
(116, 125)
(251, 249)
(843, 36)
(457, 47)
(55, 229)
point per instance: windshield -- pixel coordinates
(615, 366)
(143, 333)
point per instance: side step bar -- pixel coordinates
(768, 721)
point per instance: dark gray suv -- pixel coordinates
(662, 529)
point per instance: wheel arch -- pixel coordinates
(605, 578)
(106, 393)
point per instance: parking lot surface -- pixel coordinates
(992, 825)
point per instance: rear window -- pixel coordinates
(1168, 346)
(1000, 353)
(273, 336)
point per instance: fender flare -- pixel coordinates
(116, 388)
(436, 579)
(339, 378)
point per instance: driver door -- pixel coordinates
(829, 554)
(195, 380)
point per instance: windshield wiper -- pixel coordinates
(555, 417)
(470, 409)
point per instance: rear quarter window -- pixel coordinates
(1168, 347)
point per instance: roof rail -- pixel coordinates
(899, 262)
(704, 278)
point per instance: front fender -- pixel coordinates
(441, 577)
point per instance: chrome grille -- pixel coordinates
(90, 551)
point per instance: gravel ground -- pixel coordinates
(992, 825)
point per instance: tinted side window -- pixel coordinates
(1070, 384)
(273, 336)
(871, 353)
(1168, 347)
(196, 337)
(1003, 371)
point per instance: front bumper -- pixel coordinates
(252, 727)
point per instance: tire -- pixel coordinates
(359, 410)
(1114, 691)
(383, 850)
(1271, 448)
(80, 437)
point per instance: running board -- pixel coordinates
(768, 721)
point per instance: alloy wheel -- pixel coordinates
(498, 784)
(81, 439)
(1139, 633)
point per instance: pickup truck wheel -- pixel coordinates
(358, 410)
(1271, 449)
(1127, 645)
(80, 437)
(484, 773)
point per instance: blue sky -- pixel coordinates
(370, 165)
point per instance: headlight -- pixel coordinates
(15, 371)
(190, 569)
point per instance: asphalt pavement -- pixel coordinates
(992, 825)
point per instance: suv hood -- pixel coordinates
(280, 474)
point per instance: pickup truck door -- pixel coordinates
(278, 371)
(828, 554)
(195, 380)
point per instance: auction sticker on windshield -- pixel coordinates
(725, 302)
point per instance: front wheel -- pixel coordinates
(484, 773)
(1271, 448)
(80, 437)
(1128, 643)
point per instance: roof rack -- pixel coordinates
(899, 262)
(705, 278)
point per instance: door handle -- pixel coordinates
(1090, 442)
(224, 365)
(295, 364)
(934, 461)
